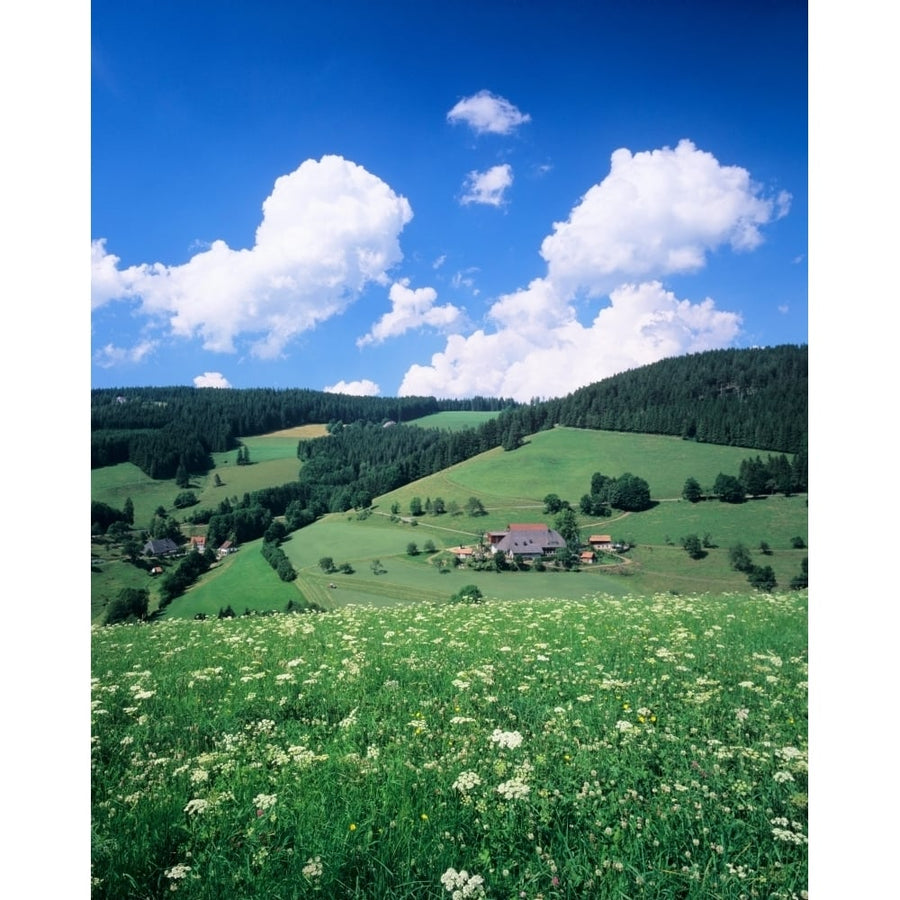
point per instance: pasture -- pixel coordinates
(454, 420)
(643, 747)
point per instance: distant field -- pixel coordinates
(454, 420)
(243, 581)
(512, 487)
(273, 460)
(562, 461)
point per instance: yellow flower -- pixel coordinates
(424, 817)
(353, 826)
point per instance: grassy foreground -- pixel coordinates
(604, 747)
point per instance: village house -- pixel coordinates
(225, 548)
(198, 543)
(587, 557)
(160, 547)
(600, 542)
(530, 541)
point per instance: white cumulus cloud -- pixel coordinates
(488, 187)
(211, 380)
(522, 360)
(656, 213)
(486, 113)
(362, 388)
(412, 308)
(328, 229)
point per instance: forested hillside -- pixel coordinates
(743, 398)
(753, 398)
(159, 429)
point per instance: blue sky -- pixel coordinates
(498, 198)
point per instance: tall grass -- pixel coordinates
(602, 747)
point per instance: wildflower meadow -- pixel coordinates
(605, 747)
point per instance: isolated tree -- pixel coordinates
(429, 547)
(765, 549)
(693, 546)
(185, 499)
(798, 543)
(217, 481)
(553, 504)
(739, 558)
(415, 506)
(326, 564)
(474, 507)
(412, 549)
(130, 603)
(376, 567)
(395, 508)
(128, 511)
(470, 593)
(182, 479)
(692, 492)
(439, 507)
(762, 578)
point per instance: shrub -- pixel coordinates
(471, 593)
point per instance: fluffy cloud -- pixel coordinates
(412, 309)
(644, 323)
(328, 229)
(486, 113)
(361, 388)
(656, 213)
(211, 380)
(487, 187)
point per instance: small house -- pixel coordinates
(600, 542)
(160, 547)
(587, 557)
(198, 543)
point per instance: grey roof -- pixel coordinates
(531, 542)
(160, 547)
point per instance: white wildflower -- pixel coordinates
(196, 806)
(510, 739)
(465, 781)
(264, 801)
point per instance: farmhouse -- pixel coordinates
(600, 542)
(530, 541)
(198, 543)
(161, 547)
(225, 548)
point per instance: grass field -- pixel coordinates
(512, 487)
(645, 747)
(454, 420)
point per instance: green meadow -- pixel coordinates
(455, 420)
(647, 747)
(511, 486)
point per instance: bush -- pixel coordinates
(186, 499)
(740, 559)
(471, 593)
(131, 603)
(693, 546)
(797, 543)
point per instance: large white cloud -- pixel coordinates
(656, 213)
(328, 228)
(487, 113)
(362, 388)
(488, 187)
(643, 324)
(410, 309)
